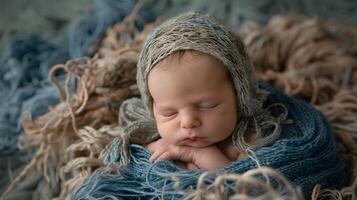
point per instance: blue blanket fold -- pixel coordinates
(306, 153)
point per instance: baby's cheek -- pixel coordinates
(222, 125)
(229, 117)
(167, 132)
(217, 121)
(224, 114)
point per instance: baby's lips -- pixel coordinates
(194, 138)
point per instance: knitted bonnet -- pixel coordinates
(203, 33)
(198, 32)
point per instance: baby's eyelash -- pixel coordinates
(168, 114)
(208, 106)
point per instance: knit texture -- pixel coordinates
(305, 153)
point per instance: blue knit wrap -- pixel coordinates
(306, 153)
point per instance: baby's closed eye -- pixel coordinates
(168, 113)
(208, 105)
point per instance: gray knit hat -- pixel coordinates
(199, 32)
(203, 33)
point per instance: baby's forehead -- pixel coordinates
(182, 56)
(178, 56)
(193, 63)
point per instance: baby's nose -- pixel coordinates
(190, 120)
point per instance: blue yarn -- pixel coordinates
(24, 68)
(25, 65)
(306, 154)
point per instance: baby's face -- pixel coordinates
(194, 102)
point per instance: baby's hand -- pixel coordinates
(162, 150)
(210, 157)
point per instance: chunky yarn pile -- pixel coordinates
(305, 153)
(86, 121)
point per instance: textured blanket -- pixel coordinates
(305, 153)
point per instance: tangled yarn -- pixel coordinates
(109, 87)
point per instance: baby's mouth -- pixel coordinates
(194, 139)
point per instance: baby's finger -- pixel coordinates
(180, 164)
(167, 155)
(192, 166)
(155, 156)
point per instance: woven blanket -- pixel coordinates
(305, 153)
